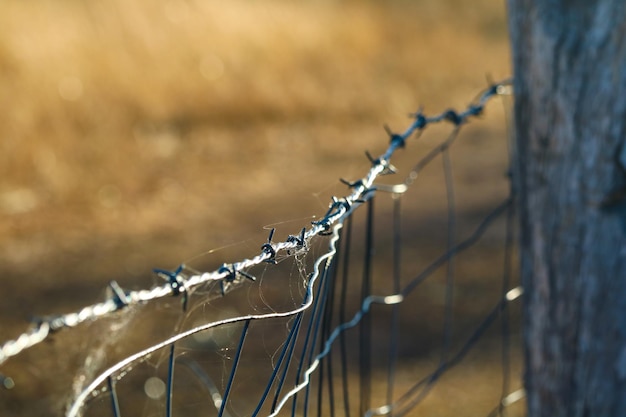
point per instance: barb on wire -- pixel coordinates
(299, 241)
(269, 248)
(233, 272)
(179, 282)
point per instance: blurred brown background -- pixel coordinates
(140, 134)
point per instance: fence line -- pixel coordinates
(179, 283)
(182, 281)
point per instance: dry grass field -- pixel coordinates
(140, 134)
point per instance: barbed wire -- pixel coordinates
(308, 300)
(320, 273)
(180, 282)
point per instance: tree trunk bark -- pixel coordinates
(569, 60)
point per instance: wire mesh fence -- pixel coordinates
(325, 322)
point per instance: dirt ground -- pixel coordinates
(143, 134)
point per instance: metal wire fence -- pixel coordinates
(317, 326)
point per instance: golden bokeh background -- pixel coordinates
(138, 134)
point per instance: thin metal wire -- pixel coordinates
(115, 405)
(449, 296)
(325, 373)
(326, 329)
(395, 309)
(307, 345)
(233, 371)
(169, 393)
(343, 349)
(365, 329)
(286, 347)
(317, 315)
(505, 324)
(290, 356)
(509, 244)
(319, 327)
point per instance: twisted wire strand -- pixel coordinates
(362, 190)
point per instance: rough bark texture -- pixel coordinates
(569, 60)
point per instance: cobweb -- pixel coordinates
(363, 314)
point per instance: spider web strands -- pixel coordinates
(181, 282)
(309, 300)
